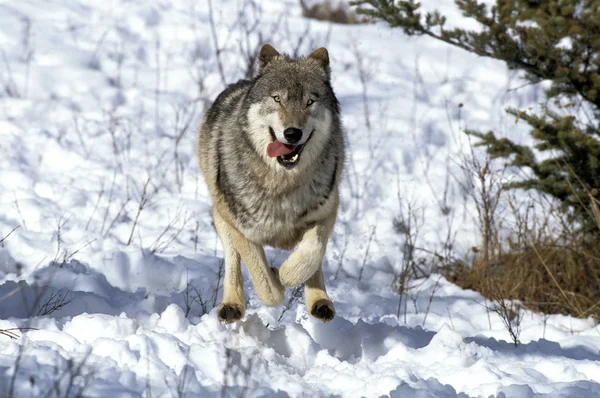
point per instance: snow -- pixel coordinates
(105, 118)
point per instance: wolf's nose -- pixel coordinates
(292, 135)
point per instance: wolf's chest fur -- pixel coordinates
(272, 209)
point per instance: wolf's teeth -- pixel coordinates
(294, 158)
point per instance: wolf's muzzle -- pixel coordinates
(292, 135)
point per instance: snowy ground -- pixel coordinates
(99, 106)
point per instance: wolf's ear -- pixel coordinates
(266, 55)
(322, 56)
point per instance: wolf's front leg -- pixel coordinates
(233, 306)
(318, 302)
(264, 278)
(306, 259)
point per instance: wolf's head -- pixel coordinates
(291, 107)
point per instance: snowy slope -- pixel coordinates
(99, 106)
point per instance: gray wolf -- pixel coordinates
(271, 150)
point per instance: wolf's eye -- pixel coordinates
(276, 98)
(310, 102)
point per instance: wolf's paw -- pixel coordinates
(229, 313)
(323, 310)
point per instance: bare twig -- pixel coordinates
(100, 195)
(143, 201)
(218, 286)
(17, 289)
(10, 332)
(364, 77)
(511, 314)
(360, 274)
(435, 288)
(29, 49)
(110, 196)
(13, 378)
(54, 302)
(7, 235)
(294, 297)
(157, 85)
(19, 211)
(10, 86)
(342, 255)
(218, 50)
(162, 243)
(94, 61)
(71, 373)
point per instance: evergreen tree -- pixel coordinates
(549, 40)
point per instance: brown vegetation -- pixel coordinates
(548, 270)
(325, 10)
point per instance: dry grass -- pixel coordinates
(545, 276)
(326, 10)
(542, 259)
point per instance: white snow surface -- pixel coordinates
(100, 102)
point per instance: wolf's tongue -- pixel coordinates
(276, 148)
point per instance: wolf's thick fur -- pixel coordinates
(256, 200)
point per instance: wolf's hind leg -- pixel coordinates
(306, 259)
(318, 302)
(233, 306)
(264, 278)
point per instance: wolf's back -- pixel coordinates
(222, 116)
(226, 103)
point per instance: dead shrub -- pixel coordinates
(325, 10)
(541, 258)
(545, 276)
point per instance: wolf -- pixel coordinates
(271, 150)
